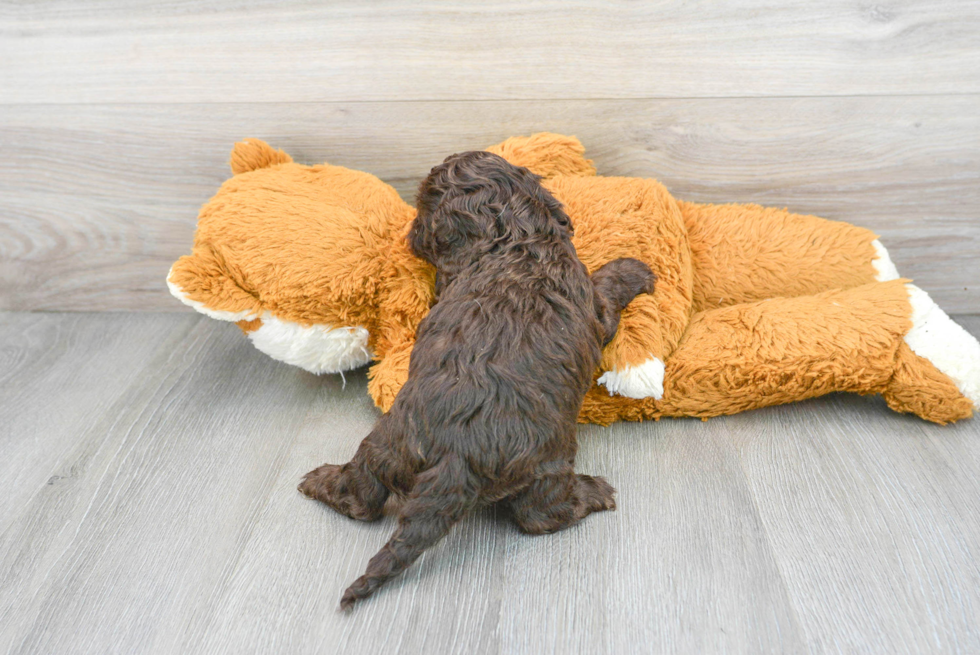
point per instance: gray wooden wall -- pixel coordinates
(116, 118)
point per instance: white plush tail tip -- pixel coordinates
(949, 347)
(884, 268)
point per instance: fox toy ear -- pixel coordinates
(546, 154)
(253, 154)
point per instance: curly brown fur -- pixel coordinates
(498, 373)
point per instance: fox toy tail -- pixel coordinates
(440, 498)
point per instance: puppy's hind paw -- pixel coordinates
(597, 494)
(320, 483)
(331, 485)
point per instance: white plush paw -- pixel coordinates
(316, 348)
(949, 347)
(644, 380)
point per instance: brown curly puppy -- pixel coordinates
(498, 373)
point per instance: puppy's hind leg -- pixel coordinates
(440, 498)
(352, 489)
(560, 499)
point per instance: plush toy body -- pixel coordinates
(753, 306)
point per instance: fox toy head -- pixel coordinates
(296, 255)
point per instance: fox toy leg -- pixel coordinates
(869, 339)
(635, 218)
(787, 349)
(546, 154)
(744, 253)
(936, 355)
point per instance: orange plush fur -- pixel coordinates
(753, 306)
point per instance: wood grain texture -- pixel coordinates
(91, 560)
(171, 52)
(162, 517)
(868, 519)
(96, 202)
(43, 351)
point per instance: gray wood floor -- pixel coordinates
(148, 504)
(148, 463)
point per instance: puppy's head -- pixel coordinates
(474, 201)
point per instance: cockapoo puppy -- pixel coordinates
(498, 373)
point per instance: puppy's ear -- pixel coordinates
(557, 211)
(434, 187)
(418, 240)
(533, 210)
(444, 179)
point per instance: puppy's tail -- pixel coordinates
(440, 498)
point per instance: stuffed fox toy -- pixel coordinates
(753, 306)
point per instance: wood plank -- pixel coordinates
(174, 524)
(874, 518)
(154, 497)
(176, 52)
(97, 201)
(180, 530)
(652, 574)
(682, 566)
(77, 356)
(303, 555)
